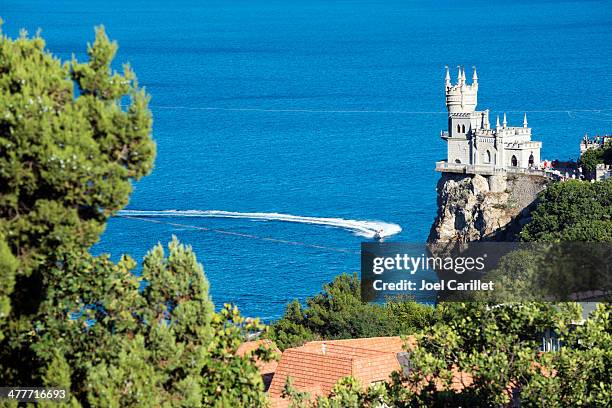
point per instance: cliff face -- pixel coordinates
(476, 208)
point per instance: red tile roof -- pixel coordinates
(318, 365)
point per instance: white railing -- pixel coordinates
(444, 166)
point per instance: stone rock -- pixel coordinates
(476, 208)
(479, 184)
(498, 184)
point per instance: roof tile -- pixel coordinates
(318, 365)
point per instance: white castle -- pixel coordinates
(473, 145)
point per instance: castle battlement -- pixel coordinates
(461, 97)
(472, 141)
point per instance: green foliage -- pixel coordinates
(112, 344)
(69, 151)
(580, 370)
(339, 313)
(572, 211)
(297, 399)
(292, 329)
(495, 344)
(496, 347)
(590, 159)
(349, 393)
(346, 393)
(556, 272)
(230, 380)
(8, 268)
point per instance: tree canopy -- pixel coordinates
(592, 157)
(68, 147)
(114, 344)
(572, 211)
(487, 355)
(73, 137)
(339, 313)
(8, 268)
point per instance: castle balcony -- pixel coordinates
(488, 170)
(522, 145)
(484, 132)
(485, 139)
(484, 169)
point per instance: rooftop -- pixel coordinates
(318, 365)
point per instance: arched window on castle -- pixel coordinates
(462, 128)
(514, 162)
(531, 160)
(488, 157)
(458, 128)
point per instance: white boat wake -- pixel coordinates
(368, 229)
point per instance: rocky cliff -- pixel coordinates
(490, 208)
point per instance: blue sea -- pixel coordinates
(325, 110)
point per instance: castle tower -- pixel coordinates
(461, 98)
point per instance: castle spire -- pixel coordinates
(497, 125)
(475, 77)
(447, 79)
(505, 123)
(459, 75)
(525, 120)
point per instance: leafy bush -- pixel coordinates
(572, 211)
(486, 355)
(339, 313)
(592, 157)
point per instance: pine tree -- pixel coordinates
(8, 267)
(69, 151)
(68, 154)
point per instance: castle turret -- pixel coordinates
(461, 97)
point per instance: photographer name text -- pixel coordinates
(425, 285)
